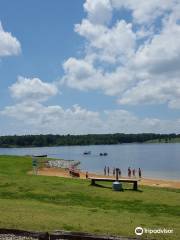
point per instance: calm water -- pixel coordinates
(155, 160)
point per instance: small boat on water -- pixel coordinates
(87, 153)
(103, 154)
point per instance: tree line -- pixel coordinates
(89, 139)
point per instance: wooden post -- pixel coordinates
(92, 182)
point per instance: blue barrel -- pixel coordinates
(117, 186)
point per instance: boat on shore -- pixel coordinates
(45, 155)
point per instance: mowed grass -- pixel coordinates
(51, 203)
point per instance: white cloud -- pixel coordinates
(111, 44)
(127, 122)
(162, 54)
(157, 66)
(53, 119)
(145, 12)
(138, 62)
(99, 12)
(9, 45)
(157, 92)
(32, 89)
(81, 74)
(77, 120)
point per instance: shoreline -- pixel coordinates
(86, 145)
(59, 172)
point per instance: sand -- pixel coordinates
(144, 181)
(161, 183)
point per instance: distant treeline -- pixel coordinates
(90, 139)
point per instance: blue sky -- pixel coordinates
(92, 66)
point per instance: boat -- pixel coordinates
(103, 154)
(87, 152)
(45, 155)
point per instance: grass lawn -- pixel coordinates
(51, 203)
(172, 140)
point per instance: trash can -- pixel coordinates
(117, 186)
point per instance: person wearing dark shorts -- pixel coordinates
(105, 170)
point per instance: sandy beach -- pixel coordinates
(59, 172)
(160, 183)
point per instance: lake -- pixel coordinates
(155, 160)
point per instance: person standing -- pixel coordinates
(129, 171)
(140, 174)
(105, 171)
(114, 171)
(108, 170)
(134, 172)
(119, 172)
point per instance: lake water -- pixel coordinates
(155, 160)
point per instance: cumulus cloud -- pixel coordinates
(77, 120)
(81, 74)
(145, 11)
(9, 45)
(159, 92)
(162, 53)
(136, 61)
(77, 70)
(99, 12)
(32, 89)
(53, 119)
(157, 66)
(111, 44)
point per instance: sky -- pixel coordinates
(89, 66)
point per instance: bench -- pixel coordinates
(127, 180)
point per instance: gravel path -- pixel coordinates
(13, 237)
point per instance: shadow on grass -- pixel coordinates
(110, 187)
(101, 186)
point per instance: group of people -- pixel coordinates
(133, 172)
(118, 172)
(130, 172)
(106, 171)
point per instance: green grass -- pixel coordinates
(50, 203)
(171, 140)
